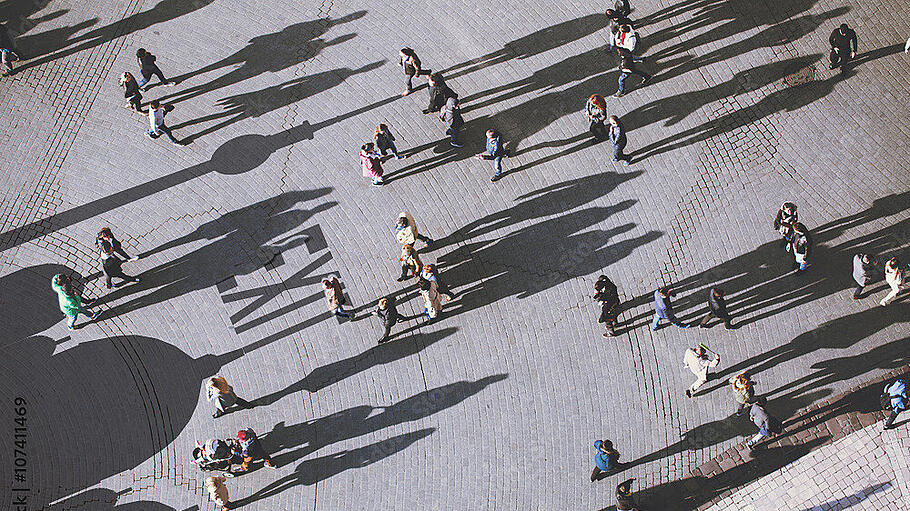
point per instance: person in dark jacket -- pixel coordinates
(596, 113)
(718, 306)
(606, 459)
(496, 152)
(864, 268)
(249, 448)
(148, 68)
(410, 64)
(783, 222)
(626, 68)
(131, 92)
(105, 234)
(608, 296)
(624, 499)
(450, 115)
(113, 266)
(802, 247)
(663, 309)
(843, 47)
(388, 313)
(767, 425)
(617, 135)
(618, 16)
(439, 93)
(900, 401)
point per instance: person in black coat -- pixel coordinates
(439, 93)
(388, 313)
(784, 221)
(843, 47)
(113, 266)
(148, 68)
(802, 247)
(718, 306)
(617, 135)
(608, 296)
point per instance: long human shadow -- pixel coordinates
(853, 499)
(364, 419)
(130, 395)
(232, 241)
(312, 471)
(532, 44)
(258, 103)
(333, 372)
(103, 499)
(49, 50)
(236, 156)
(269, 53)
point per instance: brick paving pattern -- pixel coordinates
(496, 405)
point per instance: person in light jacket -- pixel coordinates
(432, 299)
(596, 113)
(406, 230)
(371, 163)
(410, 263)
(410, 65)
(743, 391)
(864, 266)
(496, 152)
(70, 300)
(157, 126)
(218, 492)
(431, 272)
(698, 360)
(896, 277)
(606, 459)
(222, 395)
(334, 297)
(663, 309)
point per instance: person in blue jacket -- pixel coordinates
(899, 401)
(606, 459)
(663, 309)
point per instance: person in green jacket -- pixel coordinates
(70, 300)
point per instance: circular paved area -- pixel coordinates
(496, 405)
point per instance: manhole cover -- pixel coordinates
(803, 76)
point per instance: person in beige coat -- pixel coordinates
(334, 297)
(432, 300)
(896, 277)
(218, 492)
(699, 361)
(410, 263)
(218, 390)
(406, 230)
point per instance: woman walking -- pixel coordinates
(596, 112)
(410, 64)
(112, 265)
(218, 391)
(385, 141)
(432, 300)
(410, 262)
(743, 391)
(371, 163)
(105, 234)
(334, 297)
(70, 300)
(896, 277)
(131, 92)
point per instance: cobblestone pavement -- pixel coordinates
(495, 406)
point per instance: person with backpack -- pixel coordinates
(410, 64)
(70, 300)
(223, 396)
(157, 111)
(249, 448)
(784, 221)
(131, 92)
(743, 391)
(606, 459)
(596, 113)
(371, 163)
(802, 247)
(699, 362)
(388, 313)
(450, 115)
(607, 294)
(112, 266)
(896, 277)
(334, 297)
(148, 68)
(496, 152)
(768, 425)
(385, 141)
(896, 393)
(406, 230)
(218, 492)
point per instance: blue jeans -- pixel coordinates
(623, 75)
(452, 133)
(391, 147)
(618, 152)
(339, 312)
(72, 322)
(497, 165)
(672, 319)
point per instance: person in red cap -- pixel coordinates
(249, 448)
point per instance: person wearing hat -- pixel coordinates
(843, 47)
(606, 459)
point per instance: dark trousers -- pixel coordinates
(598, 129)
(420, 72)
(136, 103)
(711, 315)
(444, 289)
(891, 418)
(858, 292)
(405, 269)
(618, 153)
(148, 73)
(167, 131)
(112, 269)
(596, 474)
(452, 133)
(840, 57)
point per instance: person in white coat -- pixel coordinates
(698, 360)
(896, 277)
(406, 230)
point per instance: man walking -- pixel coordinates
(627, 38)
(450, 115)
(699, 361)
(606, 293)
(784, 221)
(617, 135)
(606, 459)
(250, 449)
(767, 425)
(388, 313)
(624, 499)
(439, 93)
(222, 395)
(406, 230)
(718, 306)
(663, 309)
(494, 152)
(896, 277)
(897, 391)
(626, 68)
(743, 391)
(802, 247)
(843, 47)
(157, 111)
(148, 68)
(864, 266)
